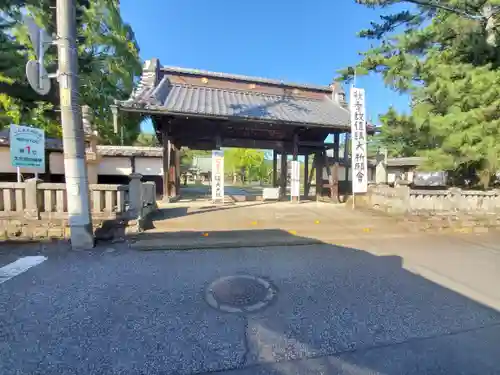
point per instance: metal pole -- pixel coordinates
(19, 178)
(75, 168)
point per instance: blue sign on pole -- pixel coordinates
(27, 147)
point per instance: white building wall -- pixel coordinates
(109, 165)
(149, 166)
(56, 165)
(6, 167)
(115, 166)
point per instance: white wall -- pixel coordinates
(6, 167)
(149, 166)
(56, 165)
(116, 166)
(109, 165)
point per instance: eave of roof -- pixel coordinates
(192, 100)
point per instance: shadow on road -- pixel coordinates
(342, 310)
(338, 310)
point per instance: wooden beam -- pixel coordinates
(316, 144)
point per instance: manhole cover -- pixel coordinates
(239, 293)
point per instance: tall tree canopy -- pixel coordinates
(444, 54)
(108, 60)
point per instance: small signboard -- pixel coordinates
(295, 180)
(358, 136)
(218, 176)
(27, 147)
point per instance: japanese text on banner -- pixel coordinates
(358, 137)
(217, 175)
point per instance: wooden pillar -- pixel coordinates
(313, 171)
(166, 163)
(306, 175)
(171, 169)
(275, 168)
(295, 146)
(334, 188)
(319, 160)
(336, 147)
(177, 168)
(346, 156)
(283, 175)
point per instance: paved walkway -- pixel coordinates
(198, 224)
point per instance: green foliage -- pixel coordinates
(247, 163)
(146, 140)
(187, 155)
(108, 61)
(444, 55)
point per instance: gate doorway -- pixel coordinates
(208, 111)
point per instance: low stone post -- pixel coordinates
(33, 201)
(403, 199)
(381, 169)
(135, 195)
(455, 197)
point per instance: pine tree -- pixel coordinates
(446, 58)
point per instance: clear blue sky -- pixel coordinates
(296, 40)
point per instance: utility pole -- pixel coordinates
(75, 169)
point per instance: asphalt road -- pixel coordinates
(337, 310)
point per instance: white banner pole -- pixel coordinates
(359, 162)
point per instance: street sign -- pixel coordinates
(218, 175)
(27, 147)
(37, 77)
(40, 40)
(35, 70)
(295, 180)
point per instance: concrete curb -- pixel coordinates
(149, 245)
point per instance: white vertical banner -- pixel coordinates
(359, 163)
(218, 175)
(295, 180)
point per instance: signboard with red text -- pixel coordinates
(27, 147)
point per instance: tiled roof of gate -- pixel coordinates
(202, 100)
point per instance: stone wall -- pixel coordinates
(402, 199)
